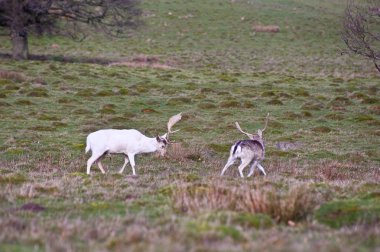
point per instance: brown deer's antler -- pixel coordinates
(248, 134)
(266, 122)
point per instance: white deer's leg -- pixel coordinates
(91, 160)
(252, 168)
(100, 166)
(261, 169)
(230, 161)
(126, 160)
(132, 160)
(244, 163)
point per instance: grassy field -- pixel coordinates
(201, 58)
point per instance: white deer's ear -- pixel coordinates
(158, 138)
(164, 136)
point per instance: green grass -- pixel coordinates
(215, 70)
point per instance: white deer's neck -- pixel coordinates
(148, 144)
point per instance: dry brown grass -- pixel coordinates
(181, 153)
(11, 75)
(266, 28)
(143, 61)
(283, 205)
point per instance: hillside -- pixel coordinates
(202, 58)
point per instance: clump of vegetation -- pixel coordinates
(321, 129)
(337, 214)
(229, 104)
(227, 78)
(258, 221)
(47, 117)
(275, 102)
(268, 94)
(149, 110)
(38, 92)
(123, 91)
(295, 204)
(81, 111)
(363, 118)
(340, 101)
(4, 104)
(12, 87)
(13, 178)
(178, 100)
(177, 151)
(67, 100)
(58, 124)
(206, 90)
(12, 75)
(86, 92)
(41, 128)
(206, 105)
(291, 115)
(104, 93)
(301, 92)
(370, 100)
(335, 116)
(312, 106)
(23, 102)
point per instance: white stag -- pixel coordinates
(128, 142)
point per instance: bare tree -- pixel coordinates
(20, 17)
(361, 31)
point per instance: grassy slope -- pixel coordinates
(223, 72)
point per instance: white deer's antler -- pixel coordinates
(173, 120)
(248, 134)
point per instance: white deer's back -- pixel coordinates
(115, 140)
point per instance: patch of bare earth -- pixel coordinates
(143, 61)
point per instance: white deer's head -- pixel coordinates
(163, 141)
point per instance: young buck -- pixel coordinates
(128, 142)
(249, 151)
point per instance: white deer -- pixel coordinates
(128, 142)
(248, 151)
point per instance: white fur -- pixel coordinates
(129, 142)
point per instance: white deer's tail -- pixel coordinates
(88, 147)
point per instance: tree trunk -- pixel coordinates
(19, 44)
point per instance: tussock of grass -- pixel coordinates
(312, 106)
(275, 102)
(206, 105)
(178, 152)
(321, 129)
(38, 92)
(11, 75)
(295, 204)
(4, 104)
(104, 93)
(229, 104)
(13, 178)
(178, 100)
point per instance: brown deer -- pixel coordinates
(248, 151)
